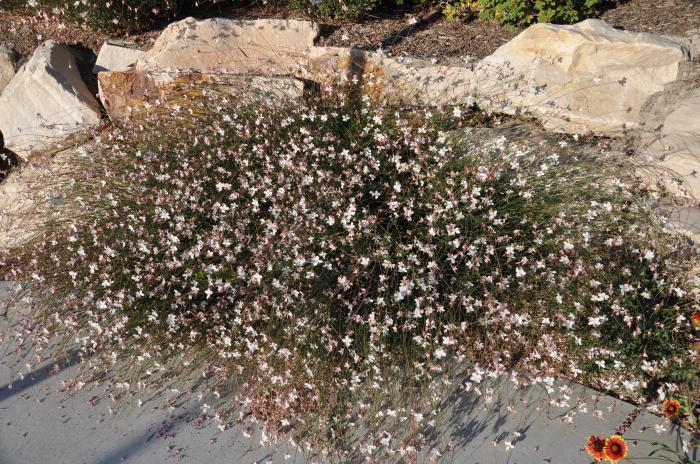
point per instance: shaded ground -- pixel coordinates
(419, 33)
(432, 37)
(669, 17)
(27, 33)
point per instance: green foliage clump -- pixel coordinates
(458, 8)
(517, 13)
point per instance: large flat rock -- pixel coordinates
(678, 144)
(267, 46)
(401, 80)
(117, 56)
(46, 101)
(30, 195)
(123, 93)
(582, 78)
(8, 60)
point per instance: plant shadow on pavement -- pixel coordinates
(38, 376)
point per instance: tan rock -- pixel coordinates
(404, 80)
(267, 47)
(677, 145)
(46, 101)
(122, 93)
(31, 195)
(684, 220)
(586, 77)
(7, 65)
(117, 56)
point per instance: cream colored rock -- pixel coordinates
(677, 146)
(117, 56)
(46, 101)
(684, 220)
(586, 77)
(267, 47)
(400, 79)
(30, 196)
(7, 65)
(126, 92)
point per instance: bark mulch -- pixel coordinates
(668, 17)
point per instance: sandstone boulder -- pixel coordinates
(586, 77)
(31, 195)
(46, 101)
(684, 220)
(264, 47)
(117, 56)
(8, 60)
(403, 80)
(126, 92)
(676, 146)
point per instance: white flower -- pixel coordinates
(344, 282)
(660, 428)
(519, 272)
(630, 385)
(172, 322)
(597, 320)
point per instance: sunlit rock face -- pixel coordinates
(46, 101)
(587, 77)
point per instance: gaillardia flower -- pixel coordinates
(671, 408)
(696, 319)
(615, 448)
(595, 447)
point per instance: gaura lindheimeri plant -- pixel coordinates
(333, 265)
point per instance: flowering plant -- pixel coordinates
(338, 262)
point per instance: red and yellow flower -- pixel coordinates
(595, 447)
(615, 448)
(696, 319)
(671, 408)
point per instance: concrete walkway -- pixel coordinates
(39, 424)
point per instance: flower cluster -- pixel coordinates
(338, 262)
(105, 14)
(610, 449)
